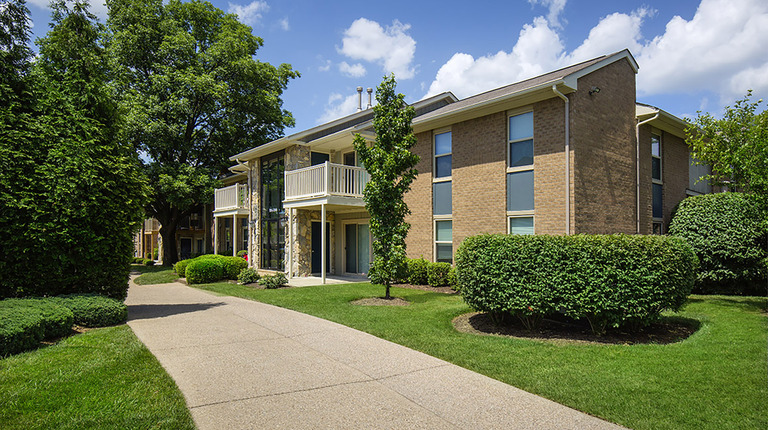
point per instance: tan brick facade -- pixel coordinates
(674, 173)
(603, 142)
(419, 201)
(549, 167)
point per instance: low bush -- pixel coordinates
(728, 232)
(438, 274)
(273, 281)
(233, 266)
(25, 322)
(138, 260)
(181, 267)
(242, 253)
(452, 278)
(91, 310)
(418, 271)
(608, 280)
(148, 262)
(249, 275)
(203, 270)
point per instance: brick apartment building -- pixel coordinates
(491, 163)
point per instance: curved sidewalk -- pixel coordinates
(245, 365)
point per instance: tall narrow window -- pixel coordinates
(520, 207)
(272, 222)
(657, 191)
(442, 202)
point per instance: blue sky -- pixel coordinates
(693, 55)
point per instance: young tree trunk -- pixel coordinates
(386, 294)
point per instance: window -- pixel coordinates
(316, 158)
(657, 186)
(520, 206)
(442, 201)
(521, 225)
(444, 241)
(272, 220)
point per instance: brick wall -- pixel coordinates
(479, 176)
(603, 142)
(674, 173)
(549, 166)
(419, 201)
(646, 190)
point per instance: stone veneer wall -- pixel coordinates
(301, 245)
(254, 230)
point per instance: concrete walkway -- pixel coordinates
(247, 365)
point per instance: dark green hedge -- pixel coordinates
(91, 310)
(728, 232)
(609, 280)
(418, 271)
(438, 274)
(25, 322)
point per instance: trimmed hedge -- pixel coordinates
(438, 274)
(181, 267)
(418, 271)
(249, 275)
(608, 280)
(273, 281)
(204, 270)
(91, 310)
(728, 232)
(233, 266)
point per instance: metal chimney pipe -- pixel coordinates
(359, 99)
(370, 91)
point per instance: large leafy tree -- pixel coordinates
(196, 96)
(391, 165)
(735, 146)
(75, 193)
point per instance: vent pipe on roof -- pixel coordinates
(359, 99)
(370, 91)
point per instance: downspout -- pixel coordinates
(637, 164)
(567, 160)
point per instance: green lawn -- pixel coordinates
(716, 379)
(151, 275)
(102, 379)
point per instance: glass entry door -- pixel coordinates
(357, 248)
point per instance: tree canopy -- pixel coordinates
(195, 96)
(391, 165)
(735, 146)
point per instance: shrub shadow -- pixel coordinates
(140, 312)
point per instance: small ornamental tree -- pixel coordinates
(391, 166)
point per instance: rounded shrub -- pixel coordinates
(91, 310)
(273, 281)
(249, 275)
(242, 253)
(608, 280)
(438, 274)
(232, 266)
(204, 270)
(418, 271)
(21, 329)
(181, 267)
(728, 232)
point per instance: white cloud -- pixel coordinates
(97, 7)
(325, 67)
(251, 13)
(356, 70)
(721, 49)
(339, 106)
(389, 47)
(284, 24)
(555, 8)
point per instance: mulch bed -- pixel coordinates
(381, 301)
(561, 332)
(444, 290)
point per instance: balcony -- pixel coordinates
(231, 200)
(326, 183)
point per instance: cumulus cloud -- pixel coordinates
(325, 67)
(251, 13)
(284, 24)
(97, 7)
(555, 8)
(721, 49)
(339, 106)
(356, 70)
(391, 47)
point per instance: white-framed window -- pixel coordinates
(520, 171)
(442, 199)
(657, 186)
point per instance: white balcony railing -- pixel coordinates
(325, 179)
(231, 197)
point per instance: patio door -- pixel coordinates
(357, 247)
(317, 240)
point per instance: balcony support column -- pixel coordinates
(322, 240)
(216, 235)
(234, 235)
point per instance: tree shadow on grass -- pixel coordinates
(141, 312)
(745, 303)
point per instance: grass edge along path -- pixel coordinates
(153, 275)
(102, 379)
(715, 379)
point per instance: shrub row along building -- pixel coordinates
(491, 163)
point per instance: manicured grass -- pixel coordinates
(154, 274)
(716, 379)
(102, 379)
